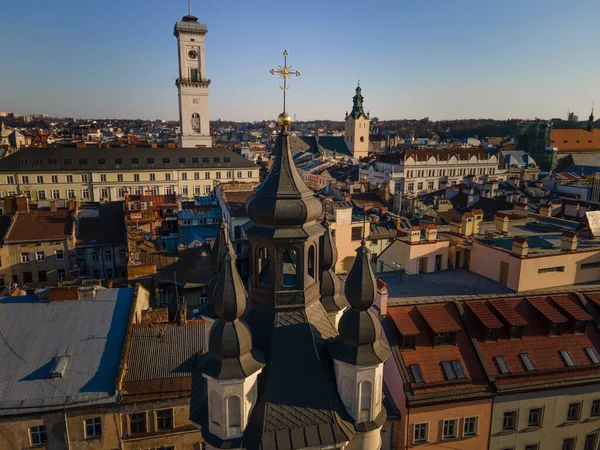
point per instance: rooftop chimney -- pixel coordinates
(501, 221)
(520, 246)
(569, 240)
(431, 233)
(22, 204)
(414, 235)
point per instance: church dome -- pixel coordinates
(231, 353)
(283, 199)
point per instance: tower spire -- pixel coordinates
(189, 7)
(590, 126)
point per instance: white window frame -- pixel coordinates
(55, 194)
(420, 441)
(71, 193)
(40, 256)
(61, 253)
(69, 178)
(36, 430)
(85, 194)
(475, 432)
(444, 437)
(25, 259)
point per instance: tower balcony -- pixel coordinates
(192, 82)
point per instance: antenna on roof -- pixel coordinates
(189, 7)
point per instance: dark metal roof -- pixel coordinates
(75, 159)
(229, 295)
(168, 351)
(331, 296)
(107, 227)
(282, 198)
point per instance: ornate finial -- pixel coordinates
(285, 72)
(359, 82)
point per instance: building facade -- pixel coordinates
(107, 174)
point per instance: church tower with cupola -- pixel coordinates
(357, 127)
(192, 84)
(279, 375)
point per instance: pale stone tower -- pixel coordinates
(192, 84)
(356, 132)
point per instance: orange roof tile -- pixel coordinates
(403, 322)
(543, 350)
(571, 307)
(576, 140)
(543, 305)
(430, 357)
(483, 312)
(506, 309)
(438, 318)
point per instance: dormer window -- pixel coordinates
(515, 332)
(447, 338)
(408, 341)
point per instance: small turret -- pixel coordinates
(590, 126)
(232, 365)
(359, 352)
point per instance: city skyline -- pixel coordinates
(414, 61)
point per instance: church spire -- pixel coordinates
(333, 302)
(590, 126)
(357, 108)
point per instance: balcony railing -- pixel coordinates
(191, 81)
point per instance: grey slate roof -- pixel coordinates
(334, 144)
(57, 159)
(164, 352)
(91, 331)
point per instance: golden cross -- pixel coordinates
(285, 72)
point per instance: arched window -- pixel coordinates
(290, 267)
(196, 122)
(234, 413)
(262, 266)
(346, 392)
(311, 262)
(365, 392)
(215, 409)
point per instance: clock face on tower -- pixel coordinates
(193, 54)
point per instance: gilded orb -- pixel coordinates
(284, 120)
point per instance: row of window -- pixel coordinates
(536, 416)
(137, 423)
(450, 172)
(10, 179)
(570, 443)
(450, 429)
(39, 161)
(40, 256)
(529, 366)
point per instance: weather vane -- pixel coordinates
(285, 72)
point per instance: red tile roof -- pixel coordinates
(593, 296)
(543, 350)
(438, 318)
(576, 140)
(571, 307)
(483, 312)
(543, 305)
(38, 225)
(430, 358)
(506, 309)
(403, 322)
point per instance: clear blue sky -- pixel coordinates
(437, 58)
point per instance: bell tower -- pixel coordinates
(356, 131)
(192, 84)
